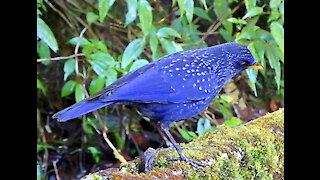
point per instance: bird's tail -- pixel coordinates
(78, 109)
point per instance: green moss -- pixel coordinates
(251, 151)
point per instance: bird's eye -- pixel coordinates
(243, 63)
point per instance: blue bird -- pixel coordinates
(173, 88)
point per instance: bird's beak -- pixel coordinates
(256, 66)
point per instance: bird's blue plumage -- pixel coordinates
(175, 87)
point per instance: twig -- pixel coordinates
(115, 151)
(60, 58)
(60, 13)
(56, 169)
(77, 49)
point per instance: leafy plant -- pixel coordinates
(106, 39)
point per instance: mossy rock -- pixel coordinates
(254, 150)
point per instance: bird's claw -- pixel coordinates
(188, 160)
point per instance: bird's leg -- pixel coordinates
(169, 144)
(179, 149)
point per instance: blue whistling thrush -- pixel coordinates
(173, 88)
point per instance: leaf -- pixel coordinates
(203, 2)
(250, 4)
(92, 17)
(138, 63)
(201, 13)
(132, 51)
(166, 32)
(189, 4)
(203, 126)
(75, 40)
(43, 51)
(253, 12)
(101, 62)
(79, 92)
(227, 98)
(45, 33)
(252, 74)
(170, 46)
(96, 84)
(187, 135)
(68, 88)
(232, 122)
(131, 15)
(104, 6)
(145, 16)
(95, 154)
(154, 43)
(277, 33)
(41, 86)
(274, 3)
(181, 4)
(68, 68)
(112, 76)
(221, 9)
(274, 60)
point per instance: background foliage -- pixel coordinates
(84, 46)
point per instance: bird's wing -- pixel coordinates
(159, 82)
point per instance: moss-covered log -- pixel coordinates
(251, 151)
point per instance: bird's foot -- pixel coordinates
(150, 154)
(188, 160)
(172, 148)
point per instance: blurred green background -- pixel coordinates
(85, 45)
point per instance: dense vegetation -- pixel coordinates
(84, 46)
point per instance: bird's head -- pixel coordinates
(238, 57)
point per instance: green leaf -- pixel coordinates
(187, 135)
(68, 88)
(274, 3)
(132, 51)
(104, 6)
(45, 33)
(189, 4)
(79, 92)
(75, 40)
(204, 3)
(250, 4)
(145, 16)
(233, 20)
(112, 76)
(221, 9)
(92, 17)
(138, 63)
(273, 56)
(101, 63)
(68, 68)
(131, 15)
(252, 74)
(203, 126)
(170, 46)
(227, 98)
(43, 51)
(41, 86)
(166, 32)
(277, 33)
(253, 12)
(201, 13)
(96, 84)
(154, 43)
(232, 122)
(95, 154)
(181, 4)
